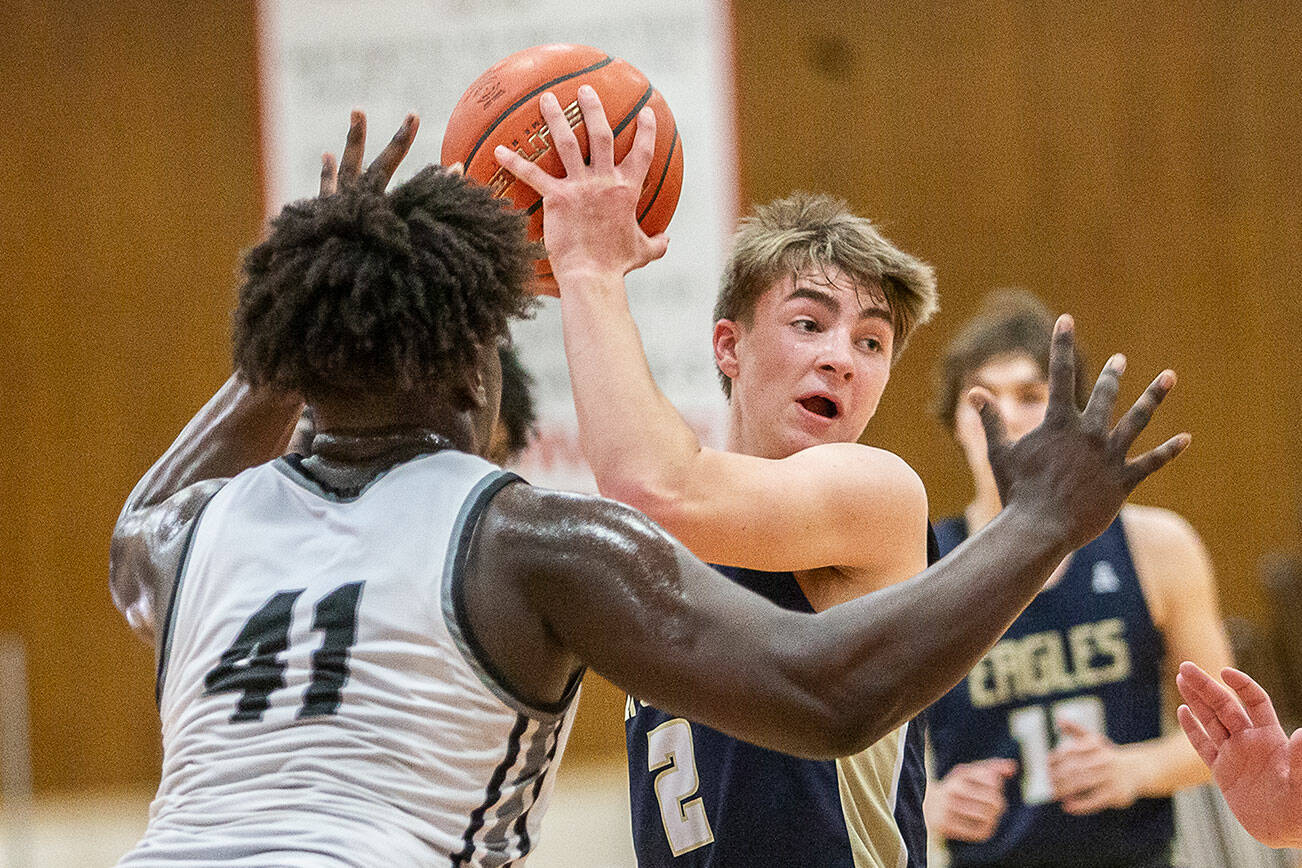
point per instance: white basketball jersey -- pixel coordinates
(323, 699)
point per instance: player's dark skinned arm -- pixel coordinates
(599, 584)
(238, 428)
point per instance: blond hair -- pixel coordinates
(807, 230)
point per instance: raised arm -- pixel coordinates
(727, 508)
(238, 428)
(609, 589)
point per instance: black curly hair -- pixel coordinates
(366, 292)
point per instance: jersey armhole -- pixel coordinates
(456, 617)
(165, 638)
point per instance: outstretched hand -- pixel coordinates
(590, 213)
(1073, 470)
(1238, 736)
(347, 172)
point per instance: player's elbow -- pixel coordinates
(836, 727)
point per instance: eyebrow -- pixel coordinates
(829, 301)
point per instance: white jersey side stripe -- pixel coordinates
(522, 824)
(492, 794)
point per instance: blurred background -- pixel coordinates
(1136, 164)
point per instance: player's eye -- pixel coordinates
(805, 324)
(1035, 396)
(872, 345)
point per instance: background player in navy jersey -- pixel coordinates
(815, 308)
(1255, 763)
(1051, 751)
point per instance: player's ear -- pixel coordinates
(727, 335)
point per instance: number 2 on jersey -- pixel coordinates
(1029, 726)
(669, 747)
(251, 665)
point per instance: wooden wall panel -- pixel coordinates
(133, 133)
(1135, 164)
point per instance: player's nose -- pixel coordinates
(836, 356)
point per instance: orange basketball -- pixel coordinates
(501, 108)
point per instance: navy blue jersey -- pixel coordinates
(703, 798)
(1085, 649)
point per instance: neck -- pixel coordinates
(375, 428)
(738, 438)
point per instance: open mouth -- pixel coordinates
(824, 407)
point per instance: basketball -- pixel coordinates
(501, 108)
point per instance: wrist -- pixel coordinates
(1135, 765)
(586, 275)
(1041, 535)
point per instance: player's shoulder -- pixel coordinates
(1153, 527)
(521, 514)
(147, 545)
(865, 471)
(1167, 552)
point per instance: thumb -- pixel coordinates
(658, 244)
(1005, 768)
(1295, 753)
(996, 435)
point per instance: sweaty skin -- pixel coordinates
(556, 582)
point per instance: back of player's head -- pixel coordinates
(366, 292)
(808, 230)
(1010, 322)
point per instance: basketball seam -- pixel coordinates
(530, 95)
(664, 173)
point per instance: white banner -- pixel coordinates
(325, 57)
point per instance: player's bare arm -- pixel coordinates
(801, 512)
(238, 428)
(614, 593)
(1090, 773)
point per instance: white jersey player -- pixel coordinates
(370, 656)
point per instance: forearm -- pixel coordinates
(1165, 765)
(903, 647)
(238, 428)
(635, 440)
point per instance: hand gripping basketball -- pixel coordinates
(590, 213)
(1073, 470)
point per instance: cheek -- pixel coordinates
(1026, 420)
